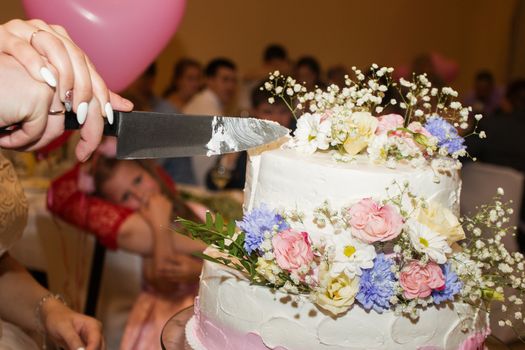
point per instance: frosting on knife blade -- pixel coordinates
(241, 134)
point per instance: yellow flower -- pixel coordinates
(269, 270)
(335, 294)
(362, 130)
(442, 221)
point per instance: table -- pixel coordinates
(173, 333)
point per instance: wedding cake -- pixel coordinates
(351, 237)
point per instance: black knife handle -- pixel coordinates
(71, 123)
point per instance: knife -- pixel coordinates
(143, 135)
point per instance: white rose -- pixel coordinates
(335, 294)
(441, 220)
(362, 130)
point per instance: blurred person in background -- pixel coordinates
(515, 97)
(486, 97)
(186, 82)
(336, 75)
(143, 96)
(221, 87)
(216, 99)
(441, 71)
(274, 57)
(131, 205)
(229, 171)
(505, 144)
(307, 71)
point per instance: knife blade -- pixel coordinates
(143, 135)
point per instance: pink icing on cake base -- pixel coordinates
(218, 339)
(211, 337)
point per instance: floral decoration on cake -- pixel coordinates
(390, 122)
(400, 253)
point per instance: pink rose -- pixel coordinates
(418, 281)
(292, 250)
(389, 122)
(372, 222)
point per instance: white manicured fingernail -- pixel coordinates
(109, 113)
(81, 348)
(48, 77)
(82, 111)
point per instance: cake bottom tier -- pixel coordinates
(230, 313)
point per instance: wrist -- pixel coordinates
(48, 304)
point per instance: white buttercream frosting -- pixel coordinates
(297, 324)
(285, 179)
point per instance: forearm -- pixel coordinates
(163, 241)
(19, 294)
(186, 245)
(136, 236)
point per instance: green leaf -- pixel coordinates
(233, 250)
(206, 257)
(231, 228)
(219, 222)
(209, 220)
(225, 261)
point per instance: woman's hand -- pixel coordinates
(50, 57)
(70, 329)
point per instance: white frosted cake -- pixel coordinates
(351, 236)
(232, 313)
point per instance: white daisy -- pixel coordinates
(312, 133)
(350, 255)
(428, 242)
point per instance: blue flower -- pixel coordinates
(452, 286)
(377, 285)
(255, 223)
(446, 134)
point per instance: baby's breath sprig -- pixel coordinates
(285, 88)
(490, 272)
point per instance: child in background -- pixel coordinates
(136, 205)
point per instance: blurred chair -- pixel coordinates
(480, 183)
(99, 282)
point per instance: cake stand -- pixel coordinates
(173, 336)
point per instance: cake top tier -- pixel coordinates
(288, 179)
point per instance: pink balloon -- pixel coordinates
(122, 37)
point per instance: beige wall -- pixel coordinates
(473, 32)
